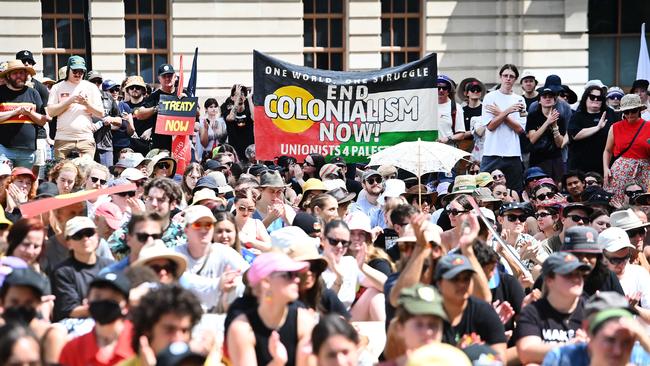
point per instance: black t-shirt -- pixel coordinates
(19, 131)
(542, 320)
(157, 140)
(511, 291)
(241, 130)
(45, 96)
(387, 241)
(381, 265)
(388, 287)
(530, 101)
(140, 125)
(545, 148)
(332, 305)
(469, 112)
(479, 317)
(586, 154)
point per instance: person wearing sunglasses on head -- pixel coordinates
(627, 148)
(588, 129)
(213, 269)
(272, 331)
(70, 280)
(634, 279)
(344, 273)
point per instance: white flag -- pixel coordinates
(643, 67)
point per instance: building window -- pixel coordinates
(64, 33)
(324, 34)
(147, 37)
(400, 32)
(614, 31)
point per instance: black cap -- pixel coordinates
(25, 55)
(308, 223)
(30, 278)
(581, 239)
(165, 69)
(594, 195)
(511, 206)
(178, 353)
(576, 206)
(212, 165)
(338, 161)
(258, 169)
(563, 263)
(640, 83)
(206, 182)
(451, 265)
(116, 280)
(46, 190)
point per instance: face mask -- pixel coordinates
(19, 314)
(105, 311)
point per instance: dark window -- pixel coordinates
(614, 32)
(64, 33)
(400, 32)
(147, 37)
(324, 34)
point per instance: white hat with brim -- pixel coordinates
(163, 157)
(629, 102)
(158, 250)
(203, 194)
(132, 174)
(78, 223)
(614, 239)
(196, 212)
(626, 220)
(15, 65)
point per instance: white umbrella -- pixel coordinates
(419, 157)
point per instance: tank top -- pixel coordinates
(623, 134)
(288, 335)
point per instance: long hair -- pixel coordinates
(585, 95)
(193, 167)
(227, 216)
(19, 231)
(66, 165)
(5, 186)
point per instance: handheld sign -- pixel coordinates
(176, 116)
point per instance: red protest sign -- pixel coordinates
(176, 116)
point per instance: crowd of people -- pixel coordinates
(532, 251)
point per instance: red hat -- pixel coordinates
(111, 212)
(23, 171)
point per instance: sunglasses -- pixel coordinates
(95, 180)
(392, 176)
(617, 97)
(334, 242)
(474, 89)
(512, 217)
(202, 225)
(97, 81)
(562, 95)
(578, 218)
(591, 182)
(162, 165)
(135, 88)
(85, 233)
(306, 163)
(140, 183)
(443, 87)
(169, 268)
(126, 194)
(631, 111)
(631, 194)
(244, 209)
(545, 196)
(542, 215)
(143, 237)
(373, 180)
(637, 232)
(287, 275)
(595, 98)
(498, 176)
(114, 90)
(474, 172)
(618, 260)
(456, 212)
(81, 72)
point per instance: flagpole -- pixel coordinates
(419, 175)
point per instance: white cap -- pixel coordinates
(288, 236)
(203, 194)
(332, 184)
(132, 174)
(443, 188)
(595, 82)
(358, 221)
(488, 213)
(614, 239)
(222, 183)
(78, 223)
(394, 188)
(527, 74)
(194, 213)
(5, 169)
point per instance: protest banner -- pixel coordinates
(300, 110)
(176, 116)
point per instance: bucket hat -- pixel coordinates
(631, 101)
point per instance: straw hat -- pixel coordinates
(626, 220)
(631, 101)
(303, 252)
(14, 65)
(158, 250)
(163, 157)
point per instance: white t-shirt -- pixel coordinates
(636, 279)
(75, 123)
(444, 120)
(352, 276)
(503, 141)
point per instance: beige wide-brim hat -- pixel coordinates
(631, 101)
(135, 80)
(14, 65)
(626, 220)
(158, 250)
(460, 93)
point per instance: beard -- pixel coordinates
(17, 83)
